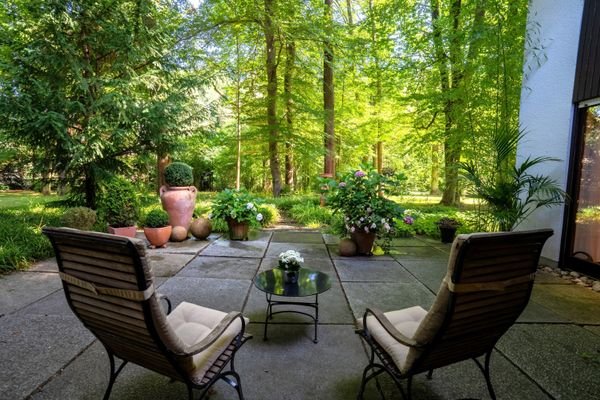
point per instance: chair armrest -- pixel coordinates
(215, 334)
(166, 299)
(387, 325)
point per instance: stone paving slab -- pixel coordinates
(22, 288)
(418, 253)
(297, 237)
(535, 312)
(464, 380)
(166, 264)
(34, 348)
(333, 308)
(221, 267)
(53, 304)
(188, 246)
(307, 250)
(573, 302)
(430, 273)
(373, 271)
(386, 296)
(48, 265)
(563, 359)
(221, 294)
(594, 329)
(331, 239)
(238, 248)
(408, 242)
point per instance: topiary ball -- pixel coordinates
(201, 228)
(347, 248)
(179, 174)
(179, 234)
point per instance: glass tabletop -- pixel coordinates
(309, 283)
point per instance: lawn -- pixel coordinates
(24, 198)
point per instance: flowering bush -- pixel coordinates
(237, 205)
(360, 197)
(290, 260)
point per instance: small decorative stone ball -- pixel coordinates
(347, 248)
(201, 228)
(179, 234)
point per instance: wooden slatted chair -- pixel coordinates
(487, 286)
(109, 285)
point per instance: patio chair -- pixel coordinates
(487, 285)
(109, 285)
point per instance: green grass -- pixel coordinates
(12, 199)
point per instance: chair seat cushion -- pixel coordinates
(192, 323)
(406, 321)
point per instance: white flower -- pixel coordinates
(387, 227)
(347, 218)
(366, 229)
(249, 206)
(383, 220)
(369, 209)
(352, 229)
(361, 219)
(259, 217)
(373, 225)
(291, 257)
(210, 215)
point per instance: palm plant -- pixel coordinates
(512, 192)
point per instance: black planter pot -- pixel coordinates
(447, 234)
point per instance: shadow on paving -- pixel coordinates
(551, 353)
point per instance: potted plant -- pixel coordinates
(178, 196)
(238, 209)
(157, 228)
(81, 218)
(447, 227)
(118, 206)
(290, 262)
(360, 197)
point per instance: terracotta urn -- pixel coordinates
(237, 230)
(128, 231)
(158, 237)
(201, 228)
(364, 241)
(179, 202)
(347, 248)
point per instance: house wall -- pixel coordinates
(546, 100)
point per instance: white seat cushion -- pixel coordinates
(192, 323)
(406, 321)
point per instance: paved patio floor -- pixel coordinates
(553, 352)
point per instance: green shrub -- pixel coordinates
(179, 174)
(238, 205)
(285, 203)
(311, 215)
(156, 218)
(270, 214)
(79, 218)
(117, 204)
(3, 186)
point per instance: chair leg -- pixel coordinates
(485, 369)
(113, 374)
(430, 374)
(190, 392)
(236, 382)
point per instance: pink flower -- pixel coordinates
(352, 229)
(409, 220)
(342, 184)
(359, 174)
(366, 229)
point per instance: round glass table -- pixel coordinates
(310, 283)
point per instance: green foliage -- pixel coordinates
(179, 174)
(285, 203)
(156, 218)
(118, 205)
(359, 197)
(447, 222)
(270, 214)
(21, 239)
(512, 192)
(311, 215)
(238, 205)
(79, 218)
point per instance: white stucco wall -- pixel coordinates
(546, 100)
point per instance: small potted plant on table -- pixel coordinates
(290, 262)
(157, 228)
(238, 209)
(447, 227)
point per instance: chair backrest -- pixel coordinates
(110, 287)
(487, 286)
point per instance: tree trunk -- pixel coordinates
(238, 125)
(271, 66)
(289, 105)
(434, 183)
(328, 97)
(90, 188)
(162, 160)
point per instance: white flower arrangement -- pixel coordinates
(290, 260)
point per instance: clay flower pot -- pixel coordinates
(158, 237)
(364, 241)
(128, 231)
(179, 203)
(237, 230)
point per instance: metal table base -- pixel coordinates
(271, 303)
